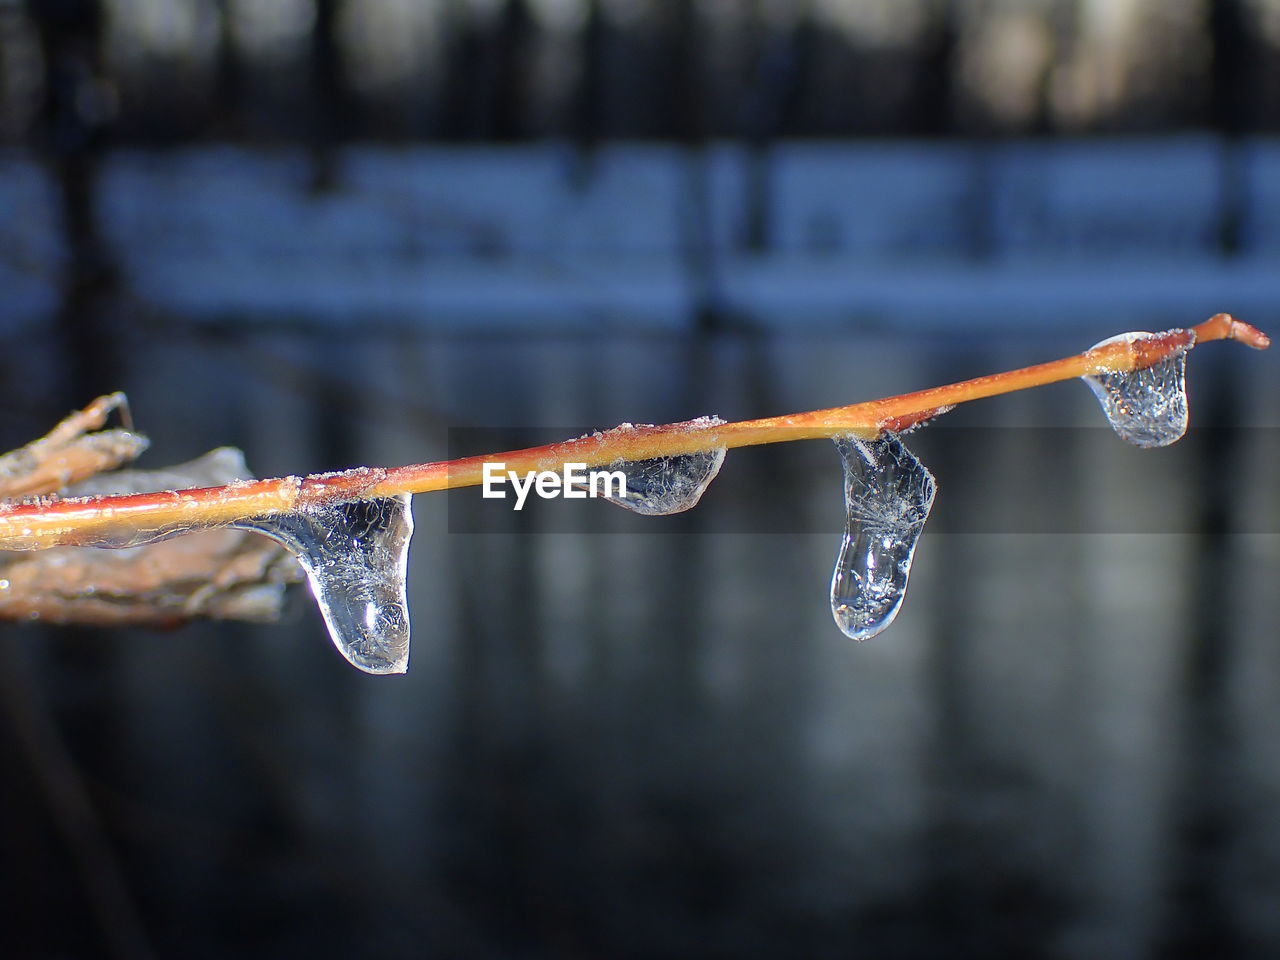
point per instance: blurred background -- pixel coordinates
(342, 232)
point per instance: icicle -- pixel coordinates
(355, 555)
(666, 485)
(888, 494)
(1146, 407)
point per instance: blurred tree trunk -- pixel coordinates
(932, 104)
(229, 76)
(72, 124)
(590, 103)
(1231, 109)
(330, 116)
(77, 108)
(686, 93)
(511, 72)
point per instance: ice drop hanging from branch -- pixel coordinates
(888, 494)
(1147, 406)
(356, 556)
(666, 485)
(661, 486)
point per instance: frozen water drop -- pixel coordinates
(355, 555)
(888, 494)
(1146, 407)
(666, 485)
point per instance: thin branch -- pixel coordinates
(140, 518)
(71, 452)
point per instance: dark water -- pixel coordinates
(614, 743)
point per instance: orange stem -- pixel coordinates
(114, 520)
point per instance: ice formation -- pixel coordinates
(1146, 407)
(665, 485)
(355, 554)
(888, 494)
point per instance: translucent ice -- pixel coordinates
(355, 555)
(1146, 407)
(888, 494)
(667, 485)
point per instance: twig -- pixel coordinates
(138, 518)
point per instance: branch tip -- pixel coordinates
(1223, 326)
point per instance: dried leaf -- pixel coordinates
(215, 574)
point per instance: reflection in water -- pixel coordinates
(620, 744)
